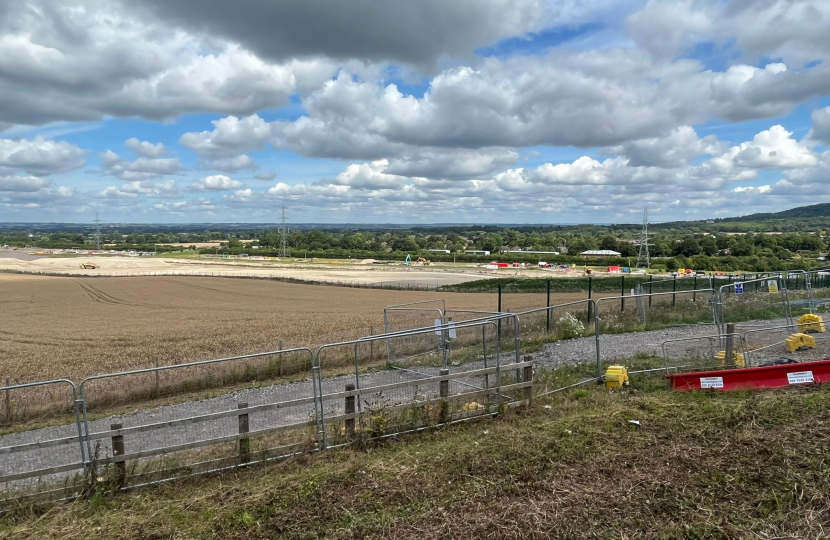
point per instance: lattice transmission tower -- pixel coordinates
(283, 235)
(98, 245)
(643, 258)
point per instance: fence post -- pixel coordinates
(528, 390)
(650, 279)
(372, 343)
(727, 353)
(590, 304)
(350, 409)
(444, 393)
(622, 293)
(694, 289)
(279, 362)
(547, 305)
(498, 329)
(8, 401)
(245, 442)
(158, 385)
(118, 450)
(674, 291)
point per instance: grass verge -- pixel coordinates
(701, 465)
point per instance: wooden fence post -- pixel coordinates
(372, 343)
(118, 450)
(728, 352)
(444, 392)
(528, 378)
(245, 442)
(350, 409)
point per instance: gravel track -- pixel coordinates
(566, 352)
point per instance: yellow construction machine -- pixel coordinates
(88, 266)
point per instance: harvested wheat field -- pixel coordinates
(75, 327)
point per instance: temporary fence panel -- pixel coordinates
(407, 316)
(672, 313)
(187, 437)
(466, 380)
(568, 356)
(752, 302)
(705, 353)
(786, 343)
(43, 462)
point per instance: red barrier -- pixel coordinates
(758, 377)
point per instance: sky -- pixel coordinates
(430, 111)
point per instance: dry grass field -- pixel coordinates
(75, 327)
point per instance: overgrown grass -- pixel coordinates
(700, 465)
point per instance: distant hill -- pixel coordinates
(811, 211)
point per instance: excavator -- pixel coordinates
(89, 266)
(422, 261)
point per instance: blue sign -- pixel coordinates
(739, 288)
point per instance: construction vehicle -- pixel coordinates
(88, 266)
(422, 261)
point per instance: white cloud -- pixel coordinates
(772, 149)
(23, 183)
(146, 149)
(143, 168)
(230, 137)
(234, 164)
(677, 149)
(265, 175)
(370, 176)
(39, 157)
(793, 30)
(216, 182)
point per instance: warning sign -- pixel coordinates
(800, 377)
(712, 382)
(772, 285)
(739, 288)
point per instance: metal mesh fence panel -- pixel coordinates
(705, 353)
(777, 344)
(44, 462)
(162, 440)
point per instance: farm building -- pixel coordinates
(600, 253)
(477, 252)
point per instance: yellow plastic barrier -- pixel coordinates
(811, 323)
(798, 342)
(737, 358)
(616, 377)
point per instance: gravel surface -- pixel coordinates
(566, 352)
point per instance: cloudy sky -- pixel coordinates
(429, 111)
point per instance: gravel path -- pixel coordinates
(566, 352)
